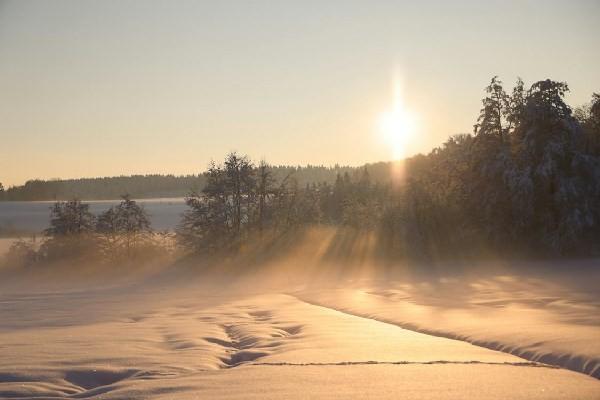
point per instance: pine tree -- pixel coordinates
(264, 190)
(495, 107)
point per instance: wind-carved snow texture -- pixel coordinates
(162, 351)
(246, 342)
(390, 312)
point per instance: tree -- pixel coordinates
(593, 126)
(239, 175)
(495, 108)
(124, 227)
(108, 229)
(264, 191)
(133, 222)
(340, 195)
(70, 218)
(516, 106)
(589, 117)
(218, 216)
(595, 110)
(553, 183)
(201, 229)
(488, 156)
(527, 180)
(71, 231)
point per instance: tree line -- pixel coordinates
(107, 188)
(156, 186)
(243, 200)
(121, 233)
(526, 181)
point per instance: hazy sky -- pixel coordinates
(97, 88)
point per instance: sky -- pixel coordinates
(103, 88)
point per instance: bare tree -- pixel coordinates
(125, 226)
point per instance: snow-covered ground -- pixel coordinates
(204, 339)
(534, 319)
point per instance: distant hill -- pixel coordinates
(156, 186)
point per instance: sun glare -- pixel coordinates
(397, 125)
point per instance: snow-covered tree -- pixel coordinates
(492, 116)
(552, 182)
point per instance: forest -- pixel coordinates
(154, 185)
(526, 182)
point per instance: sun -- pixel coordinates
(397, 126)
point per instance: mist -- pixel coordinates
(330, 200)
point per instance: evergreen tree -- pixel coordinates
(264, 190)
(495, 108)
(516, 106)
(553, 195)
(527, 180)
(589, 118)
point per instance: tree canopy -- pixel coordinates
(527, 181)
